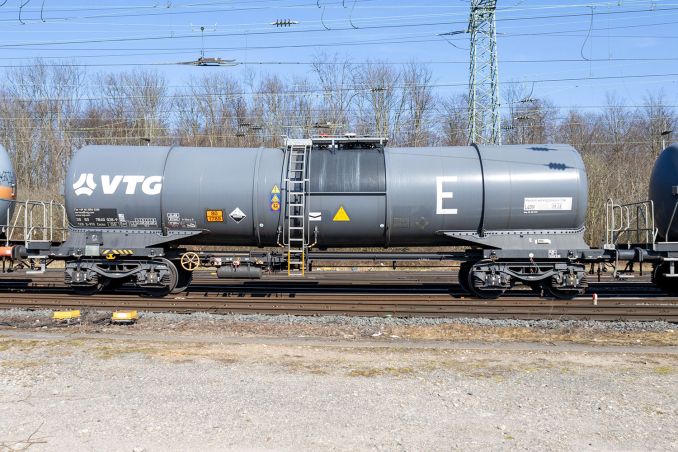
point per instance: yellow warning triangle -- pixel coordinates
(275, 198)
(341, 215)
(275, 189)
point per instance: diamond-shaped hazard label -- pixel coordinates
(237, 215)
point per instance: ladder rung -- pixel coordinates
(296, 205)
(296, 227)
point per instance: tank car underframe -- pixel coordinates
(157, 277)
(662, 255)
(97, 260)
(160, 272)
(486, 273)
(489, 273)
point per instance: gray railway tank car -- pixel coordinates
(663, 193)
(521, 204)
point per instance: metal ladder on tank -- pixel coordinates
(295, 205)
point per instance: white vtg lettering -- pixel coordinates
(151, 185)
(442, 195)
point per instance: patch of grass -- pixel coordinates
(21, 344)
(383, 371)
(25, 345)
(312, 368)
(169, 353)
(110, 352)
(21, 363)
(663, 370)
(454, 332)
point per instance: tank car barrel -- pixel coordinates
(375, 197)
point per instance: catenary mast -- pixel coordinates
(484, 118)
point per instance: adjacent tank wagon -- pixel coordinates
(7, 190)
(663, 193)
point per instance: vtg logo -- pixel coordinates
(85, 185)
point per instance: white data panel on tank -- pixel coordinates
(540, 204)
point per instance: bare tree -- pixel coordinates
(419, 105)
(335, 81)
(453, 119)
(212, 112)
(136, 106)
(379, 100)
(39, 106)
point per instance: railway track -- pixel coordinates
(346, 293)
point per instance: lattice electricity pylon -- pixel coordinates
(483, 98)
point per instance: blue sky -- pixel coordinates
(574, 53)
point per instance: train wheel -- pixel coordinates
(659, 278)
(561, 294)
(487, 294)
(183, 281)
(159, 292)
(551, 291)
(464, 270)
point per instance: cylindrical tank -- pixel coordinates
(663, 191)
(7, 190)
(355, 197)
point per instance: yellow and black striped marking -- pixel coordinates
(112, 254)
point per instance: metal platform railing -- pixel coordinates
(629, 224)
(35, 222)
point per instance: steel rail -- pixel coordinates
(431, 294)
(364, 305)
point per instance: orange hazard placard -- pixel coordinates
(214, 216)
(275, 206)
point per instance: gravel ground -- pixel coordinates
(205, 382)
(20, 317)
